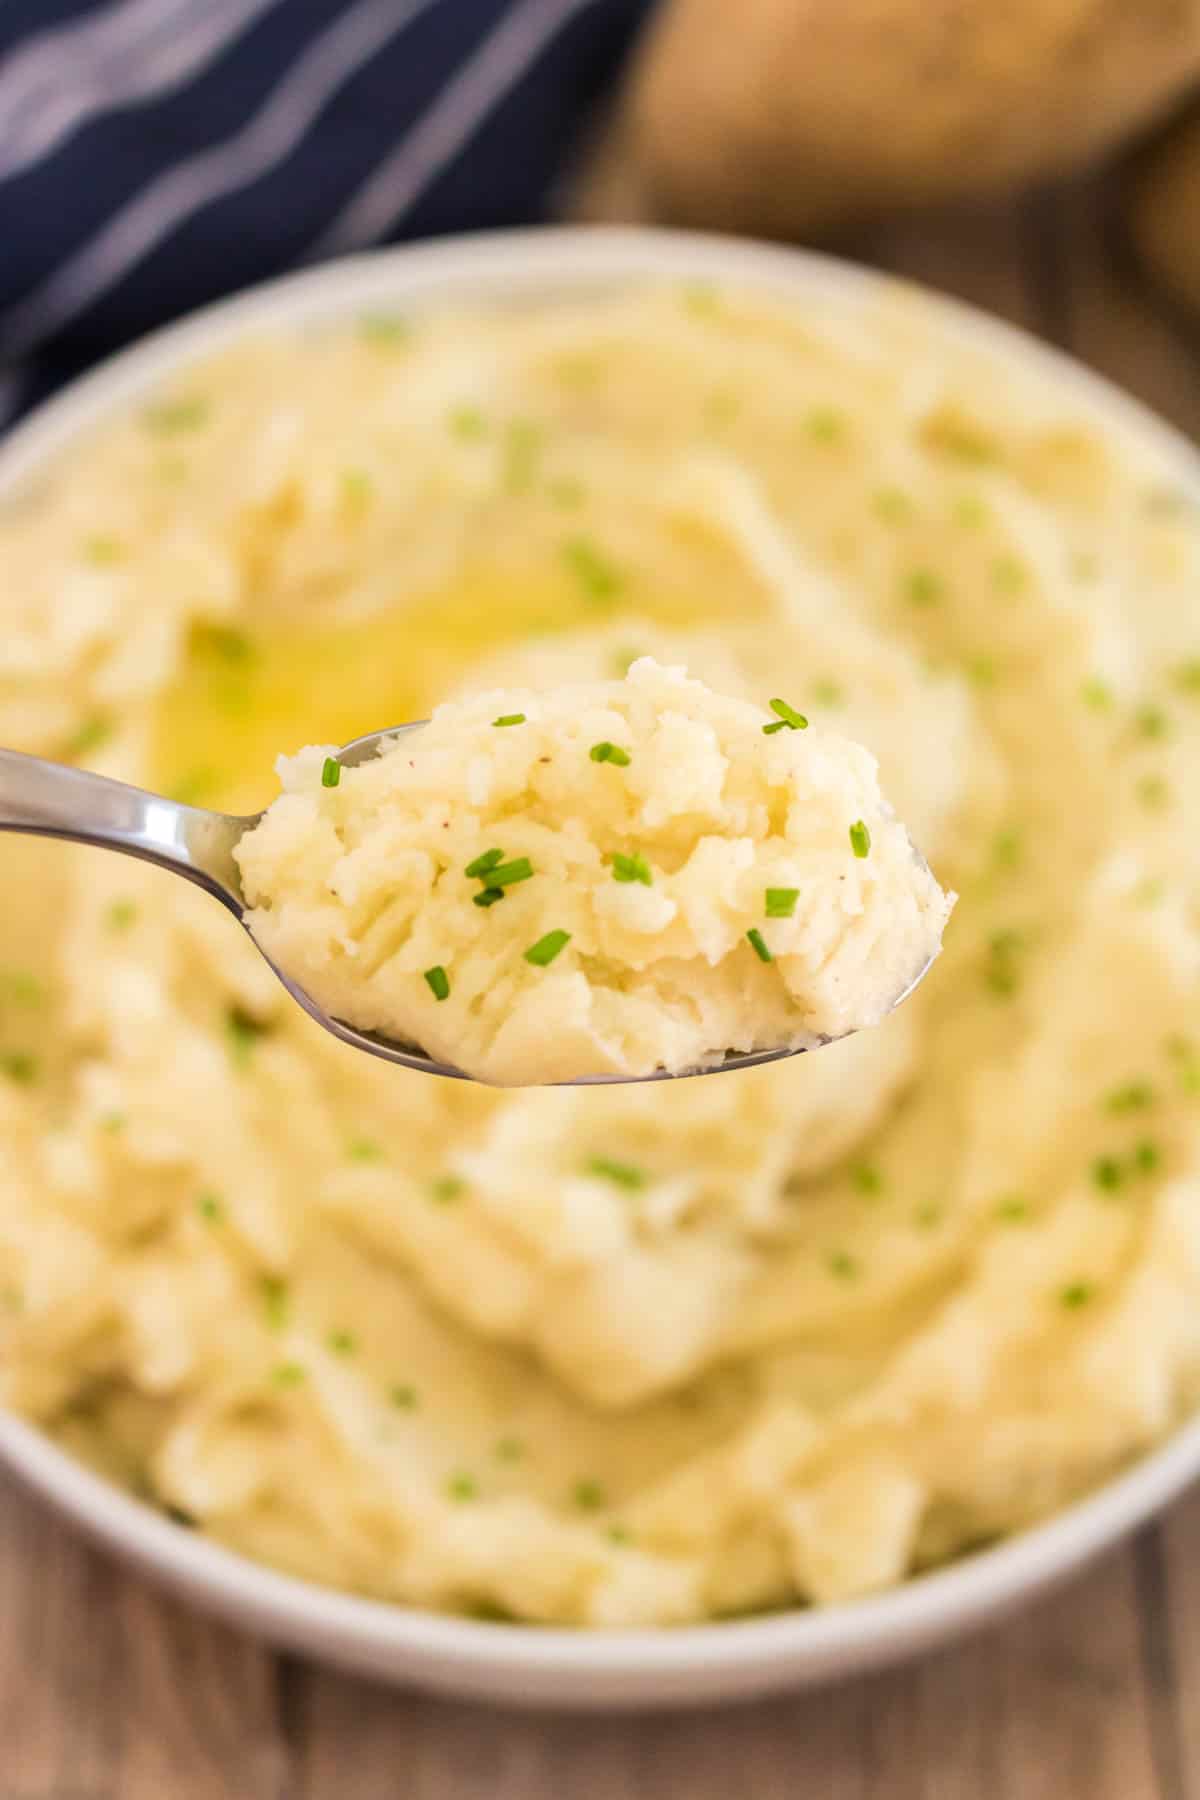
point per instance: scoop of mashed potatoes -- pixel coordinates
(605, 879)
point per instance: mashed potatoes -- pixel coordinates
(620, 1355)
(677, 878)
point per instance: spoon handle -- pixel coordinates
(49, 799)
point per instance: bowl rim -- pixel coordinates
(550, 1663)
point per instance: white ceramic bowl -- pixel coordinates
(519, 1664)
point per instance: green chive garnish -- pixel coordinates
(462, 1487)
(781, 902)
(632, 868)
(242, 1034)
(1146, 1157)
(342, 1343)
(364, 1150)
(402, 1396)
(867, 1178)
(785, 717)
(842, 1264)
(1132, 1097)
(923, 587)
(209, 1207)
(547, 948)
(860, 839)
(484, 864)
(612, 753)
(623, 1174)
(176, 415)
(1107, 1173)
(509, 1450)
(596, 574)
(758, 946)
(489, 896)
(1077, 1294)
(1013, 1209)
(439, 982)
(468, 423)
(446, 1188)
(20, 1067)
(508, 874)
(510, 719)
(1097, 694)
(331, 772)
(589, 1496)
(274, 1292)
(288, 1375)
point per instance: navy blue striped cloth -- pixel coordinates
(155, 154)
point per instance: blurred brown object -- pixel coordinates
(1162, 213)
(781, 117)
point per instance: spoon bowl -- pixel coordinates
(47, 799)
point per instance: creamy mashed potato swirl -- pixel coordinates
(543, 886)
(639, 1355)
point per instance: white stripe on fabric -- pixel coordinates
(268, 139)
(437, 137)
(113, 72)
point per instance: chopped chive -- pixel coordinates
(209, 1206)
(21, 987)
(446, 1188)
(503, 875)
(969, 511)
(1013, 1209)
(828, 693)
(825, 425)
(462, 1487)
(610, 753)
(509, 1450)
(102, 550)
(1006, 848)
(1152, 722)
(1009, 574)
(1146, 1157)
(439, 982)
(1153, 792)
(757, 944)
(981, 671)
(288, 1375)
(892, 505)
(781, 902)
(632, 868)
(242, 1033)
(489, 896)
(923, 587)
(589, 1496)
(509, 719)
(522, 448)
(91, 734)
(176, 415)
(594, 571)
(622, 1174)
(364, 1150)
(403, 1396)
(112, 1122)
(356, 487)
(331, 772)
(1134, 1096)
(342, 1343)
(1075, 1295)
(619, 1534)
(566, 491)
(842, 1264)
(547, 948)
(20, 1067)
(1187, 676)
(467, 423)
(1097, 694)
(785, 716)
(384, 329)
(860, 839)
(274, 1294)
(928, 1216)
(867, 1178)
(483, 865)
(1107, 1173)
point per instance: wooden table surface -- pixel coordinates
(110, 1691)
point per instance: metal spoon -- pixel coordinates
(49, 799)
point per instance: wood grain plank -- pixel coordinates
(1050, 1707)
(111, 1691)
